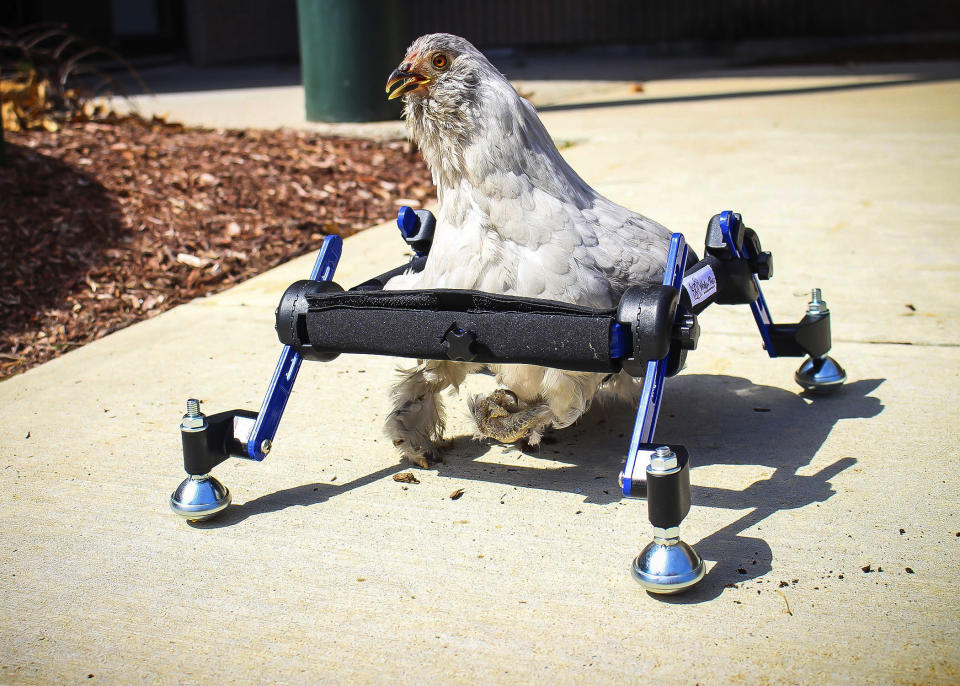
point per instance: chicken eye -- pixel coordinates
(440, 61)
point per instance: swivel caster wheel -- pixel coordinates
(200, 497)
(667, 565)
(820, 375)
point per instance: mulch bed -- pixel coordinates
(106, 224)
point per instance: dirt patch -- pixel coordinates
(106, 224)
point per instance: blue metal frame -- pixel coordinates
(761, 313)
(281, 385)
(649, 409)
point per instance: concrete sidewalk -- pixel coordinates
(326, 570)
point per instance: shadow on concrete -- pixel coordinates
(776, 92)
(180, 77)
(606, 64)
(298, 496)
(722, 420)
(740, 558)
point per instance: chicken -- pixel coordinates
(515, 219)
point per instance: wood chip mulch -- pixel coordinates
(106, 224)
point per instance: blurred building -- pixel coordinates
(230, 31)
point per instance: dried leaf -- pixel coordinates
(406, 478)
(150, 302)
(193, 260)
(456, 494)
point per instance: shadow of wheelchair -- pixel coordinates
(722, 420)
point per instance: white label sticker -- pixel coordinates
(700, 285)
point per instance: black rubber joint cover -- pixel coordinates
(668, 495)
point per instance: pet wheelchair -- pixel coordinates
(648, 335)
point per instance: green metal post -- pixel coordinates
(347, 50)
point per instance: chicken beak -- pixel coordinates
(408, 80)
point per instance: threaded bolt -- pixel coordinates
(663, 460)
(817, 304)
(193, 419)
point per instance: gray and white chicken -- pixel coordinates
(513, 218)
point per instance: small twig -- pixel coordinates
(784, 596)
(33, 41)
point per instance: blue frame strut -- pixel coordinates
(653, 378)
(281, 385)
(761, 313)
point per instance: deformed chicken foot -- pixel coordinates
(500, 417)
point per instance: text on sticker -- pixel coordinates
(701, 284)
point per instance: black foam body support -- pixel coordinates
(462, 325)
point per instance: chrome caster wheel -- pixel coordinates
(668, 565)
(199, 498)
(820, 375)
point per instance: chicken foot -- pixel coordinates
(500, 417)
(416, 422)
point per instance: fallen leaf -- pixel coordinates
(150, 302)
(206, 180)
(193, 260)
(456, 494)
(406, 478)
